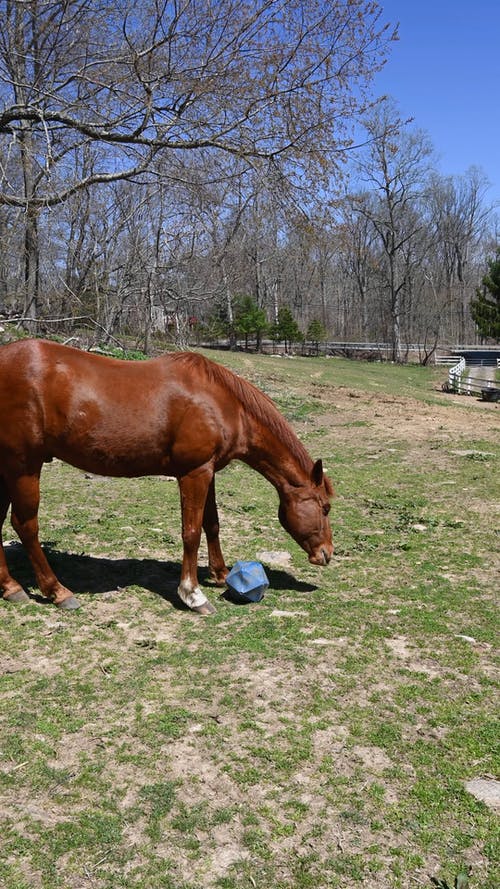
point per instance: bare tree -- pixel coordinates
(122, 83)
(395, 165)
(458, 217)
(359, 259)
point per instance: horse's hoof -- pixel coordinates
(205, 609)
(17, 596)
(219, 582)
(219, 579)
(68, 604)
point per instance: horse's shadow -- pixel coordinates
(96, 575)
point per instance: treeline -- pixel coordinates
(189, 171)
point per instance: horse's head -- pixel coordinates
(304, 512)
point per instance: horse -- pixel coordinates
(180, 415)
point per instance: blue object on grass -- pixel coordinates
(247, 582)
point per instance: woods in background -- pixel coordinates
(191, 170)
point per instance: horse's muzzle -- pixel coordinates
(321, 557)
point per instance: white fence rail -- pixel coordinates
(469, 385)
(446, 360)
(455, 375)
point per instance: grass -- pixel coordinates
(276, 375)
(320, 738)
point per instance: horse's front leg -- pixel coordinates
(216, 563)
(193, 492)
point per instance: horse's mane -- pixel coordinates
(255, 402)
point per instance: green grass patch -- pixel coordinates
(322, 737)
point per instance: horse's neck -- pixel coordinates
(273, 458)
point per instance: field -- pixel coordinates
(320, 738)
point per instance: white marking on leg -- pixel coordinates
(193, 597)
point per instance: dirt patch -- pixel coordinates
(408, 419)
(487, 790)
(401, 649)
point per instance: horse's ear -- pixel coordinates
(317, 473)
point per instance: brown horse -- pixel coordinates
(179, 415)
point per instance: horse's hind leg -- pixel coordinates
(10, 588)
(25, 496)
(216, 563)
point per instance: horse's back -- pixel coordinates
(109, 416)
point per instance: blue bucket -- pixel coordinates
(247, 582)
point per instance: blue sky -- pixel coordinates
(445, 73)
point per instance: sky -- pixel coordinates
(444, 72)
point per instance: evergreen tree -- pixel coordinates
(249, 319)
(286, 328)
(316, 333)
(485, 310)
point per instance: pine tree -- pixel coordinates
(250, 320)
(485, 310)
(316, 333)
(286, 328)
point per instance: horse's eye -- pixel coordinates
(326, 508)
